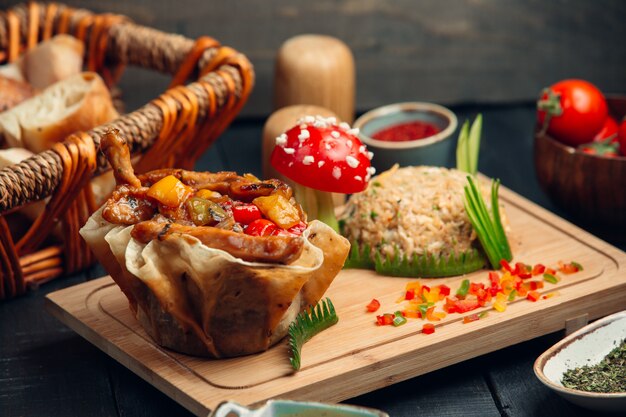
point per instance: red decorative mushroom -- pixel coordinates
(325, 156)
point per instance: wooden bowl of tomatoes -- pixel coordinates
(583, 172)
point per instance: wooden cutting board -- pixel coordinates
(356, 356)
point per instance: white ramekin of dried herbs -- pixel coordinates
(588, 367)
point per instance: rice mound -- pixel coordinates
(412, 210)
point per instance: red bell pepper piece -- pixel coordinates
(428, 328)
(470, 318)
(297, 229)
(261, 227)
(373, 305)
(444, 290)
(538, 269)
(246, 213)
(463, 306)
(410, 294)
(533, 296)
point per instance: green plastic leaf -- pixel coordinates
(306, 325)
(424, 266)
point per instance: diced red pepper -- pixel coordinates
(535, 285)
(533, 296)
(444, 290)
(538, 269)
(410, 294)
(428, 328)
(569, 268)
(261, 227)
(246, 213)
(471, 318)
(507, 267)
(385, 319)
(373, 305)
(523, 270)
(463, 306)
(297, 229)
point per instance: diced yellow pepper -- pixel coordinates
(169, 191)
(278, 209)
(207, 194)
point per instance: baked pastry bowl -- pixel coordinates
(408, 134)
(589, 187)
(212, 264)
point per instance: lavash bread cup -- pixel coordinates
(205, 302)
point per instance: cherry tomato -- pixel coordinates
(609, 130)
(622, 137)
(261, 227)
(297, 229)
(246, 213)
(574, 110)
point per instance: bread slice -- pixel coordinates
(13, 92)
(78, 103)
(53, 60)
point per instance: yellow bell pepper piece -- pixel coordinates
(169, 191)
(278, 209)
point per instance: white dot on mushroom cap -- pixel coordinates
(309, 119)
(358, 178)
(371, 170)
(362, 149)
(320, 163)
(281, 140)
(289, 151)
(352, 161)
(336, 173)
(290, 164)
(304, 135)
(349, 142)
(370, 155)
(355, 131)
(327, 146)
(335, 134)
(308, 160)
(344, 126)
(332, 120)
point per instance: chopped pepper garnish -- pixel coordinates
(428, 328)
(374, 305)
(463, 289)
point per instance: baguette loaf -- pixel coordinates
(78, 103)
(53, 60)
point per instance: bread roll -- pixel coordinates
(13, 92)
(78, 103)
(53, 60)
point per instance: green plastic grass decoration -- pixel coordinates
(306, 325)
(424, 266)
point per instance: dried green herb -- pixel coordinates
(607, 376)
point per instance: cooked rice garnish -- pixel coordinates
(411, 210)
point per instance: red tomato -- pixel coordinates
(576, 111)
(622, 137)
(261, 227)
(608, 130)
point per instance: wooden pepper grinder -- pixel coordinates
(280, 121)
(318, 70)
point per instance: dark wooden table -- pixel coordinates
(48, 370)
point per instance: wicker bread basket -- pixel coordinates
(171, 131)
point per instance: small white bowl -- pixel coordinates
(285, 408)
(435, 150)
(587, 346)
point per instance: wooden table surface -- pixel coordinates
(48, 370)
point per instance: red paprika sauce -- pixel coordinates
(402, 132)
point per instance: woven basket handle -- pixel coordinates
(186, 119)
